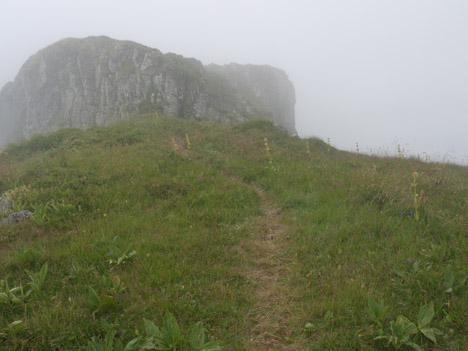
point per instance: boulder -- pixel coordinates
(17, 217)
(5, 207)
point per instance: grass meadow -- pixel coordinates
(157, 219)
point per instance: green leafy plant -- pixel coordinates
(119, 257)
(425, 316)
(26, 256)
(100, 303)
(170, 338)
(197, 339)
(51, 211)
(93, 299)
(402, 329)
(13, 296)
(12, 329)
(17, 295)
(38, 279)
(116, 285)
(106, 345)
(377, 311)
(40, 214)
(310, 327)
(17, 206)
(60, 210)
(452, 284)
(110, 343)
(76, 269)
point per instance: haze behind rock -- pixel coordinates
(374, 72)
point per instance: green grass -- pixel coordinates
(187, 214)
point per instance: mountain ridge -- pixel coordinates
(100, 80)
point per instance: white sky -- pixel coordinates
(377, 72)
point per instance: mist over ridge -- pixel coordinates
(378, 73)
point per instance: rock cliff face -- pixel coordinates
(267, 86)
(98, 80)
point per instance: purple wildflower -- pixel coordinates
(411, 213)
(410, 260)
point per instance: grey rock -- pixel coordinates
(5, 207)
(16, 217)
(266, 85)
(98, 80)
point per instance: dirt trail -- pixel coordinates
(269, 276)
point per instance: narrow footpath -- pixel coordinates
(270, 276)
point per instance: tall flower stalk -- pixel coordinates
(267, 150)
(415, 196)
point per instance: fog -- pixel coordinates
(376, 72)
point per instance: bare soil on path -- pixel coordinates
(270, 276)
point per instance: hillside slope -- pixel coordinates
(273, 242)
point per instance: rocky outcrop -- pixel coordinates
(16, 217)
(267, 86)
(98, 80)
(5, 207)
